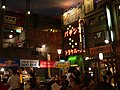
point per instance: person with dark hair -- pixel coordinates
(76, 85)
(64, 83)
(109, 75)
(71, 82)
(103, 86)
(32, 81)
(76, 73)
(14, 81)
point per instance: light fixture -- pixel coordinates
(10, 36)
(43, 46)
(3, 7)
(69, 39)
(87, 58)
(106, 41)
(28, 12)
(59, 51)
(72, 46)
(70, 43)
(76, 43)
(2, 69)
(101, 56)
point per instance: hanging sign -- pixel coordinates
(47, 64)
(29, 63)
(62, 64)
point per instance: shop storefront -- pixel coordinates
(104, 69)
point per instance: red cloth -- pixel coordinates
(3, 87)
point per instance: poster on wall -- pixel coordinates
(88, 6)
(73, 15)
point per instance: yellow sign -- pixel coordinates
(62, 64)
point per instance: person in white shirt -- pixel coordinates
(14, 81)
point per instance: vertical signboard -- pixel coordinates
(72, 40)
(88, 6)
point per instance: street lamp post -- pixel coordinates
(59, 53)
(100, 58)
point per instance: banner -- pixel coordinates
(101, 49)
(47, 64)
(29, 63)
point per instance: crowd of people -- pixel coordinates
(70, 81)
(74, 81)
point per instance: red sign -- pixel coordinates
(101, 49)
(47, 64)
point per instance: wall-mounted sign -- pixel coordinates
(29, 63)
(101, 49)
(47, 64)
(10, 19)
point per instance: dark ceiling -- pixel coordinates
(42, 7)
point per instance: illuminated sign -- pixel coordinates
(29, 63)
(10, 19)
(72, 51)
(73, 39)
(47, 64)
(101, 49)
(72, 59)
(73, 15)
(62, 64)
(71, 31)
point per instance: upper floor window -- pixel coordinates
(102, 17)
(92, 21)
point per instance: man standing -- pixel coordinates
(14, 81)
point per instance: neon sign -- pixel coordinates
(71, 32)
(72, 40)
(47, 64)
(72, 51)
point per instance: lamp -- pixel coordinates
(3, 7)
(59, 52)
(101, 56)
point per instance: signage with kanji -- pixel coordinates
(29, 63)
